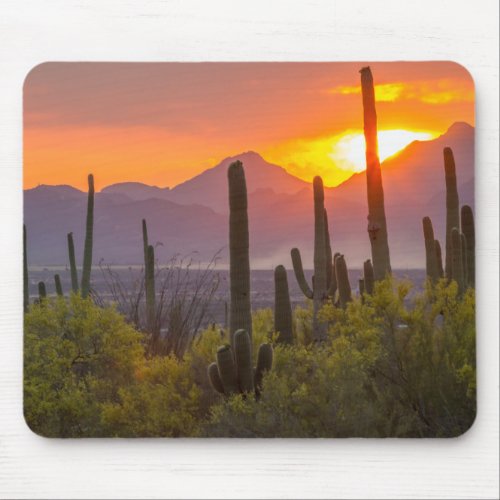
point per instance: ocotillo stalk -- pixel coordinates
(456, 259)
(57, 281)
(368, 276)
(343, 281)
(282, 307)
(72, 263)
(467, 220)
(42, 291)
(89, 231)
(150, 292)
(377, 226)
(464, 259)
(439, 258)
(452, 207)
(240, 316)
(26, 292)
(431, 265)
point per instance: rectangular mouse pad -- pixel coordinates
(249, 250)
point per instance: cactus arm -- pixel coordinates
(87, 253)
(439, 259)
(431, 265)
(214, 378)
(72, 263)
(57, 281)
(243, 358)
(227, 370)
(26, 292)
(283, 323)
(452, 206)
(240, 316)
(333, 284)
(377, 225)
(299, 273)
(467, 220)
(264, 364)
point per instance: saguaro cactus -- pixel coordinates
(319, 290)
(72, 263)
(89, 231)
(452, 206)
(233, 372)
(42, 291)
(431, 265)
(145, 244)
(150, 291)
(57, 281)
(467, 221)
(377, 226)
(240, 316)
(282, 307)
(439, 258)
(456, 259)
(368, 276)
(342, 281)
(26, 291)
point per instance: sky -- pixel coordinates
(163, 123)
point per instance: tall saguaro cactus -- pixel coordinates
(42, 291)
(452, 206)
(456, 259)
(377, 226)
(145, 244)
(72, 263)
(150, 291)
(26, 291)
(467, 221)
(240, 316)
(282, 307)
(89, 233)
(431, 264)
(343, 281)
(319, 290)
(57, 282)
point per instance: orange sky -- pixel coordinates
(163, 123)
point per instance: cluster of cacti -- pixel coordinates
(283, 324)
(240, 315)
(233, 372)
(377, 226)
(460, 236)
(324, 280)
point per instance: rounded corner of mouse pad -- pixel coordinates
(271, 250)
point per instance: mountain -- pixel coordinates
(192, 217)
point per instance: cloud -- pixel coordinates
(441, 91)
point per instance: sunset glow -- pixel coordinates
(163, 124)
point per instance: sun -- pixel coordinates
(348, 150)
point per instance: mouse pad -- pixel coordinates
(249, 250)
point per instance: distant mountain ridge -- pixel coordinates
(192, 217)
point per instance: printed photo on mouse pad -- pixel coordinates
(249, 250)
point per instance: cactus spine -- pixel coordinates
(431, 265)
(72, 263)
(240, 316)
(233, 373)
(282, 307)
(42, 291)
(467, 221)
(57, 281)
(26, 292)
(456, 259)
(377, 226)
(87, 252)
(439, 259)
(368, 276)
(342, 281)
(452, 215)
(150, 291)
(319, 289)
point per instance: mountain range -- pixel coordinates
(192, 218)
